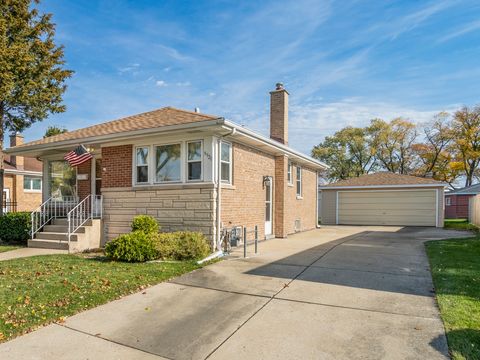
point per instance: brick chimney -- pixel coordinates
(279, 114)
(15, 140)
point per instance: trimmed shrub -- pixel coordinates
(146, 224)
(182, 245)
(15, 227)
(133, 247)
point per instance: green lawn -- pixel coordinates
(4, 247)
(38, 290)
(455, 266)
(459, 224)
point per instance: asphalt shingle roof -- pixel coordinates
(384, 178)
(474, 189)
(148, 120)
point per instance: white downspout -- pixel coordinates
(219, 187)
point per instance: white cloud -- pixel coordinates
(309, 124)
(161, 83)
(461, 31)
(183, 83)
(132, 68)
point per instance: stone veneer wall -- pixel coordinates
(177, 207)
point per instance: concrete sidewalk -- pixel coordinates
(334, 293)
(27, 252)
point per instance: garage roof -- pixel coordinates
(383, 179)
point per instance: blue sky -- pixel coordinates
(343, 62)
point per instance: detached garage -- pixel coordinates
(383, 198)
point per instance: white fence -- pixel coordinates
(474, 212)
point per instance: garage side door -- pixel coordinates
(408, 208)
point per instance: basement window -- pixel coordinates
(299, 182)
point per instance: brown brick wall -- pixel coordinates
(458, 208)
(84, 186)
(117, 165)
(244, 203)
(281, 168)
(305, 208)
(26, 201)
(279, 115)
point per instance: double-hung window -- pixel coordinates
(299, 181)
(289, 173)
(31, 183)
(226, 162)
(142, 158)
(168, 163)
(194, 160)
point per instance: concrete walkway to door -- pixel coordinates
(333, 293)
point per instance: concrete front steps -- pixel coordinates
(55, 236)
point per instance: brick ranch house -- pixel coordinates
(457, 202)
(22, 184)
(169, 163)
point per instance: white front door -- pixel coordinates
(268, 206)
(6, 198)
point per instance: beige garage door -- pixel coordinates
(414, 208)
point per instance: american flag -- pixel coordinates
(78, 156)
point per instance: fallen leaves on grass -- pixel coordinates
(44, 289)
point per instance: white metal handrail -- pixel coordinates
(52, 208)
(88, 208)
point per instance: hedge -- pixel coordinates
(15, 227)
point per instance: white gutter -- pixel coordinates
(161, 129)
(267, 141)
(23, 172)
(381, 186)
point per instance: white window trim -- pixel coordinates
(448, 201)
(33, 190)
(230, 162)
(189, 161)
(149, 166)
(183, 158)
(154, 160)
(299, 180)
(290, 172)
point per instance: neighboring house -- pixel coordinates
(22, 188)
(457, 202)
(169, 163)
(383, 198)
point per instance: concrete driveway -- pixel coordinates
(333, 293)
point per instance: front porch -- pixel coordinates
(70, 217)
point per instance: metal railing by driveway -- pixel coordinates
(52, 208)
(239, 235)
(88, 208)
